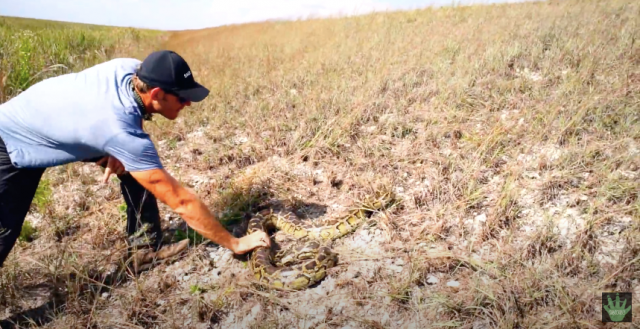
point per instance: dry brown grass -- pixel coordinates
(510, 134)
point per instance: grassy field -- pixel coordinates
(32, 50)
(508, 133)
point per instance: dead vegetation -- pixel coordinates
(508, 132)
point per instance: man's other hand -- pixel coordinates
(114, 166)
(252, 241)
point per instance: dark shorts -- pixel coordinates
(17, 189)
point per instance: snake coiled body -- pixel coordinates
(313, 258)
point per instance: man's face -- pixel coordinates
(169, 105)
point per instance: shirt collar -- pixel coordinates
(143, 109)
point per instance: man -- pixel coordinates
(96, 115)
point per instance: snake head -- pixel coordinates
(380, 200)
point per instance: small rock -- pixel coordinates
(256, 309)
(395, 268)
(481, 324)
(432, 279)
(226, 257)
(453, 284)
(328, 285)
(316, 311)
(105, 295)
(385, 318)
(351, 273)
(481, 218)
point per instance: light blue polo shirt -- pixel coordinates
(78, 116)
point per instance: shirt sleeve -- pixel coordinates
(134, 150)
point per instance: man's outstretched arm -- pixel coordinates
(168, 190)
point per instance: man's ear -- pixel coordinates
(156, 94)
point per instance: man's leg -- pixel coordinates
(143, 226)
(144, 230)
(17, 189)
(143, 216)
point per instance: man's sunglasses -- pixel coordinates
(182, 100)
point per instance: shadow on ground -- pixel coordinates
(52, 301)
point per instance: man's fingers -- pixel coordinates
(252, 241)
(264, 240)
(260, 239)
(107, 173)
(113, 167)
(117, 167)
(111, 163)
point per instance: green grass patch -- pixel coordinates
(122, 210)
(43, 197)
(193, 236)
(33, 50)
(28, 232)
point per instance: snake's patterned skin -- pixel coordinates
(299, 267)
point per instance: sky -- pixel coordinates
(197, 14)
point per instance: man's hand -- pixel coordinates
(169, 191)
(114, 166)
(251, 241)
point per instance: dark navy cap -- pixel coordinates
(169, 71)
